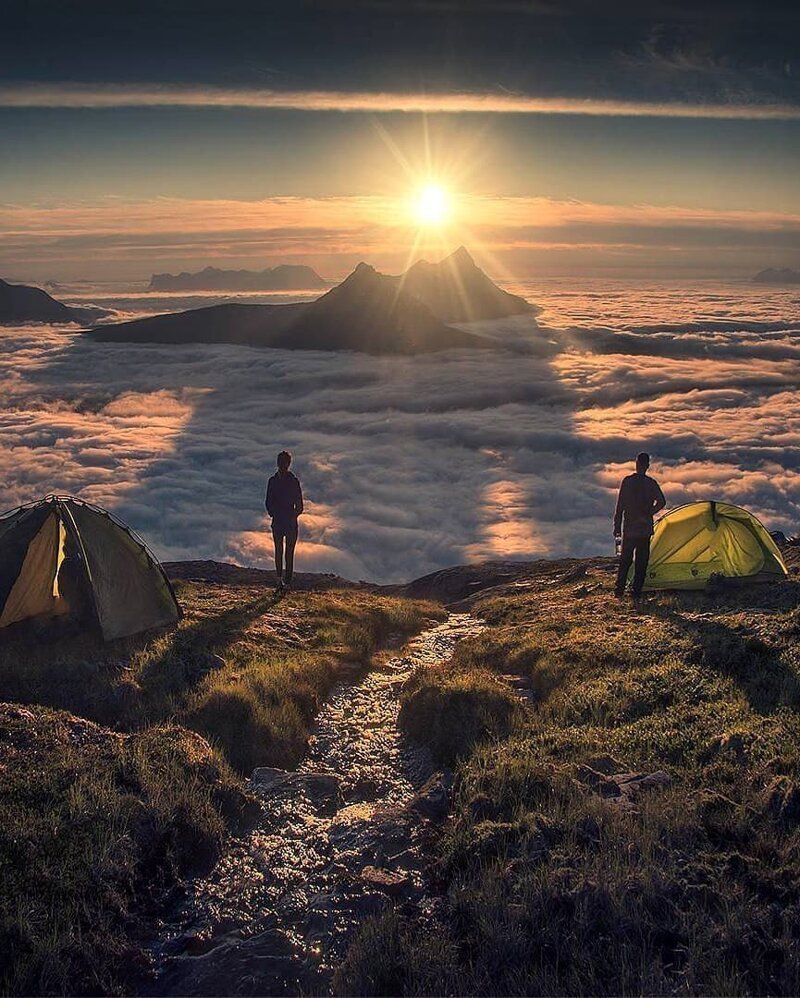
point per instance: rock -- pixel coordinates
(264, 964)
(433, 799)
(622, 786)
(267, 777)
(322, 789)
(364, 789)
(390, 882)
(631, 784)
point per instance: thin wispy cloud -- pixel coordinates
(338, 231)
(115, 95)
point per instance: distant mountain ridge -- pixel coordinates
(772, 275)
(368, 312)
(284, 277)
(20, 303)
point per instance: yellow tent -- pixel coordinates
(704, 539)
(61, 556)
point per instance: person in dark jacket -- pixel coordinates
(640, 498)
(284, 504)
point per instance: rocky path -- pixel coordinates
(340, 839)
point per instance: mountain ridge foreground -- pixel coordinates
(608, 784)
(368, 312)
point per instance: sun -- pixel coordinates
(431, 206)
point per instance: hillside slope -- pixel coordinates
(627, 806)
(110, 789)
(625, 816)
(20, 303)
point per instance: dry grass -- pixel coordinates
(554, 888)
(277, 660)
(97, 822)
(93, 821)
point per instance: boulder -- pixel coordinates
(432, 801)
(263, 964)
(268, 777)
(623, 787)
(631, 784)
(391, 882)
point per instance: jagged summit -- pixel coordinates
(371, 313)
(457, 290)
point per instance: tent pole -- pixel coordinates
(67, 512)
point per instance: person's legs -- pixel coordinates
(625, 562)
(640, 571)
(291, 542)
(277, 536)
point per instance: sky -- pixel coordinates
(623, 139)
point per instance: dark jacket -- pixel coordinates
(640, 498)
(284, 500)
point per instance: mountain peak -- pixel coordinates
(457, 290)
(460, 256)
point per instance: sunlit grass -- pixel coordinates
(552, 888)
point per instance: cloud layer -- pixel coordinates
(65, 94)
(412, 464)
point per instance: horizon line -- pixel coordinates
(94, 96)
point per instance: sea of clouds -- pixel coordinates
(410, 464)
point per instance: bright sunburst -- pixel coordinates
(431, 205)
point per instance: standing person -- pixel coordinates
(640, 498)
(284, 504)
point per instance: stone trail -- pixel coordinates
(340, 839)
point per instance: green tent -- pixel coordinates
(62, 557)
(703, 539)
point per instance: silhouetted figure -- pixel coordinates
(640, 498)
(284, 504)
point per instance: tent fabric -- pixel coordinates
(33, 592)
(127, 586)
(62, 555)
(701, 539)
(17, 530)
